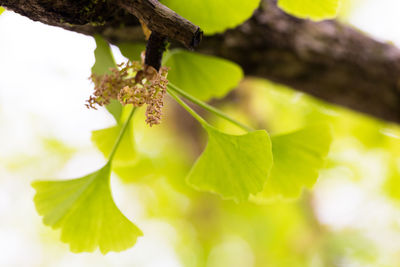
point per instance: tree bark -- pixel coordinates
(328, 59)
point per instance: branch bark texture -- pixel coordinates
(161, 19)
(328, 60)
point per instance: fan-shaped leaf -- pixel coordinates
(298, 156)
(233, 166)
(85, 211)
(204, 77)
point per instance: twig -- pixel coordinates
(161, 19)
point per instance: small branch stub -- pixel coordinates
(155, 48)
(161, 19)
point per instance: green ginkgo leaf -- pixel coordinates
(214, 16)
(313, 9)
(104, 140)
(233, 166)
(392, 185)
(85, 212)
(126, 162)
(105, 61)
(132, 51)
(298, 157)
(203, 77)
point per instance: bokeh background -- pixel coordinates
(350, 218)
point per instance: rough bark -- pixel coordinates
(155, 48)
(160, 18)
(329, 60)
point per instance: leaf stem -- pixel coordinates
(121, 135)
(209, 107)
(185, 106)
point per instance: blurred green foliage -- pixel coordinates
(313, 9)
(214, 16)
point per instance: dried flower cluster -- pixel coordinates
(132, 83)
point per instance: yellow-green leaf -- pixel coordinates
(214, 16)
(85, 212)
(233, 166)
(1, 9)
(204, 77)
(313, 9)
(392, 184)
(104, 139)
(126, 158)
(132, 51)
(298, 157)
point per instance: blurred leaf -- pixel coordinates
(349, 243)
(126, 160)
(103, 56)
(214, 16)
(127, 164)
(313, 9)
(104, 139)
(105, 61)
(204, 77)
(298, 156)
(1, 9)
(392, 184)
(85, 211)
(233, 166)
(51, 156)
(132, 51)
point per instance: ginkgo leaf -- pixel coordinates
(104, 139)
(1, 9)
(392, 185)
(298, 156)
(126, 161)
(214, 16)
(132, 51)
(105, 61)
(204, 77)
(313, 9)
(85, 212)
(233, 166)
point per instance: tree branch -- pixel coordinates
(328, 59)
(155, 48)
(161, 19)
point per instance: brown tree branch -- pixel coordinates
(328, 59)
(161, 19)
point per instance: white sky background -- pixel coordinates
(43, 87)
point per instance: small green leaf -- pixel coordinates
(105, 61)
(132, 51)
(298, 156)
(313, 9)
(1, 9)
(104, 140)
(126, 160)
(204, 77)
(85, 211)
(233, 166)
(392, 185)
(125, 157)
(214, 16)
(103, 56)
